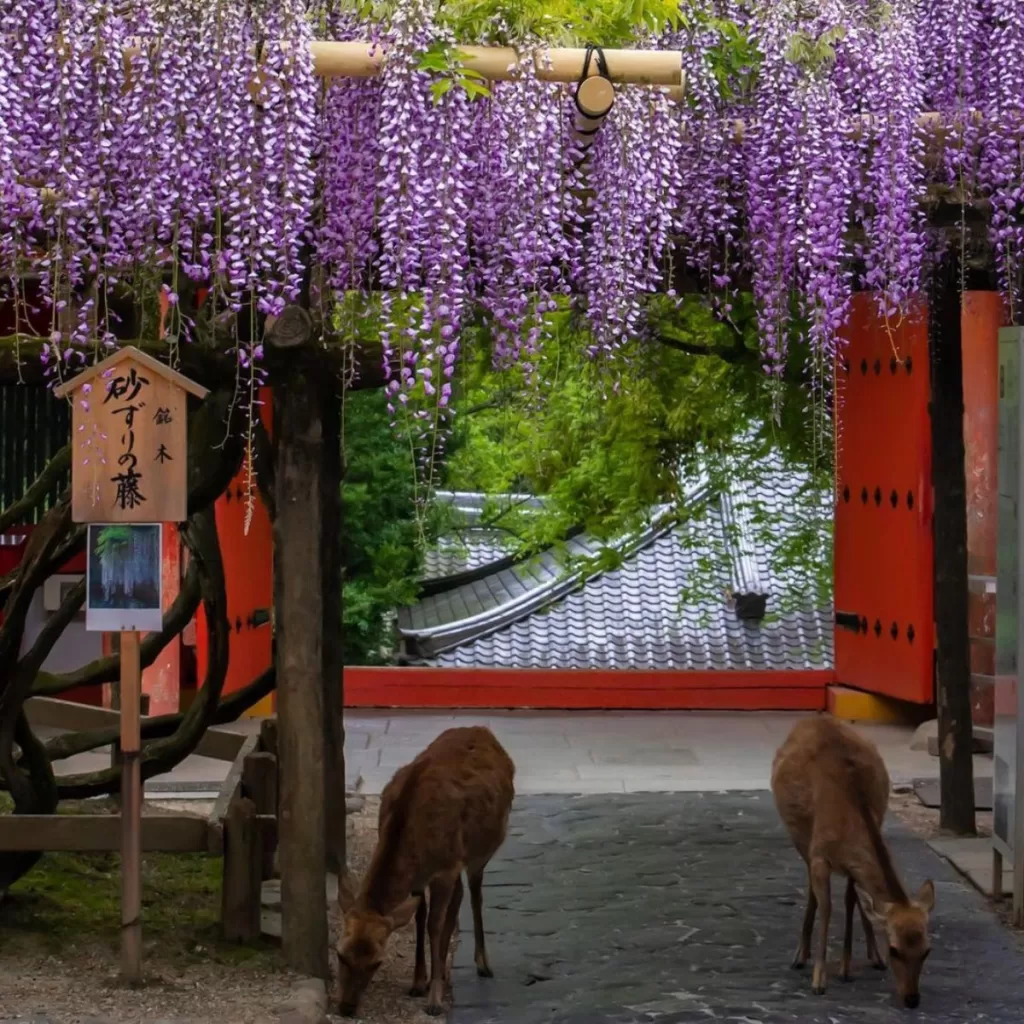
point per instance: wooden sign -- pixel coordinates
(128, 433)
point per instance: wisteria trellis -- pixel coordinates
(172, 165)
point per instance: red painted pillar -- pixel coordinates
(982, 317)
(248, 573)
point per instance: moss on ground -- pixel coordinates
(72, 901)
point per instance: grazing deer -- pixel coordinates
(445, 813)
(831, 788)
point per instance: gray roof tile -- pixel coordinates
(538, 616)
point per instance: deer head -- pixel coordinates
(906, 928)
(362, 945)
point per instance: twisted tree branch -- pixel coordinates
(37, 492)
(108, 669)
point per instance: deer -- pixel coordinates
(831, 789)
(443, 814)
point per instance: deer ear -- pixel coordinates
(876, 911)
(403, 913)
(346, 892)
(925, 897)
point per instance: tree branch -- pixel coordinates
(735, 354)
(37, 492)
(228, 710)
(108, 669)
(163, 754)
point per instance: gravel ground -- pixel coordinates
(188, 975)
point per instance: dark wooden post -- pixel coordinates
(330, 565)
(241, 907)
(299, 621)
(259, 783)
(952, 662)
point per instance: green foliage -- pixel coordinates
(70, 902)
(814, 54)
(734, 59)
(110, 538)
(450, 64)
(608, 23)
(385, 528)
(605, 451)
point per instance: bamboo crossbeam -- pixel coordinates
(499, 63)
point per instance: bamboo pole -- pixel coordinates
(500, 63)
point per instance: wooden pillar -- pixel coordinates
(299, 623)
(952, 662)
(331, 573)
(131, 810)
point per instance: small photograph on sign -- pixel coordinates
(123, 577)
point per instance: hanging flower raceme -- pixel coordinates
(634, 173)
(1002, 161)
(892, 188)
(522, 205)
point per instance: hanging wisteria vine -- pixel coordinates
(185, 155)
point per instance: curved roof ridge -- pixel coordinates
(433, 640)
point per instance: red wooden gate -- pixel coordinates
(883, 527)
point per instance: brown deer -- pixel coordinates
(445, 813)
(831, 788)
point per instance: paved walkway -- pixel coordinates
(616, 752)
(574, 751)
(685, 910)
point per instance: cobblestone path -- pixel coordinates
(685, 909)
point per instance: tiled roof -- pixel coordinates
(538, 614)
(472, 547)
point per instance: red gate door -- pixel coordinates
(884, 637)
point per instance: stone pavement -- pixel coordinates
(685, 910)
(616, 752)
(569, 751)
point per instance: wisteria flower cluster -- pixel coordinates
(154, 147)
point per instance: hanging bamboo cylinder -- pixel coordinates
(499, 63)
(594, 99)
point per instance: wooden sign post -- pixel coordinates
(128, 472)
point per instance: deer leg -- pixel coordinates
(451, 922)
(851, 903)
(419, 978)
(821, 879)
(803, 951)
(870, 941)
(476, 896)
(441, 891)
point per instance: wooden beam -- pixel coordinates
(299, 628)
(240, 892)
(219, 744)
(333, 663)
(500, 63)
(100, 833)
(953, 661)
(230, 791)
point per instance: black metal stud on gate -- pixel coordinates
(878, 496)
(909, 364)
(878, 367)
(238, 624)
(846, 366)
(864, 366)
(894, 498)
(864, 626)
(846, 494)
(910, 499)
(893, 365)
(894, 631)
(910, 633)
(878, 627)
(864, 495)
